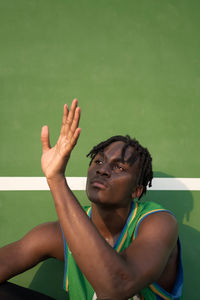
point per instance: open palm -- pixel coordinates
(54, 160)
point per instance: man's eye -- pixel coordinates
(98, 162)
(118, 167)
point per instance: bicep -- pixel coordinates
(42, 242)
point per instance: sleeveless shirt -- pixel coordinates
(78, 286)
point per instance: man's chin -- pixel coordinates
(102, 203)
(95, 200)
(100, 199)
(94, 196)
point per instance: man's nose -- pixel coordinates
(103, 170)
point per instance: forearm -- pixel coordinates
(10, 262)
(84, 241)
(5, 272)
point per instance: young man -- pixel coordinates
(118, 248)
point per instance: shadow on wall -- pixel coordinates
(181, 203)
(49, 277)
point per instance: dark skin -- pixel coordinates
(111, 185)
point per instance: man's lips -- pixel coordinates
(99, 183)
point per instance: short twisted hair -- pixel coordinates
(145, 160)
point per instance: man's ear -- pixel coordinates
(137, 192)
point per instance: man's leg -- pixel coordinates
(10, 291)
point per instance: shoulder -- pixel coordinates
(160, 224)
(156, 222)
(151, 214)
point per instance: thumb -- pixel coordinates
(45, 138)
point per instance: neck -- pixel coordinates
(109, 222)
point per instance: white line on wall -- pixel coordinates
(79, 183)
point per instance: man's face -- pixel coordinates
(111, 181)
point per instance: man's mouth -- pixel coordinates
(98, 184)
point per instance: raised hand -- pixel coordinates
(54, 160)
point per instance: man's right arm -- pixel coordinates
(42, 242)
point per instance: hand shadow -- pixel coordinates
(181, 203)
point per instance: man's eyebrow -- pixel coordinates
(117, 159)
(120, 160)
(101, 153)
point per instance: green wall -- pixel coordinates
(135, 68)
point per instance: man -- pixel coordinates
(117, 248)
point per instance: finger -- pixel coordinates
(65, 114)
(70, 116)
(45, 138)
(75, 122)
(75, 137)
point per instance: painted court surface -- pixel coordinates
(135, 68)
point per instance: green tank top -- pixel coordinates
(78, 286)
